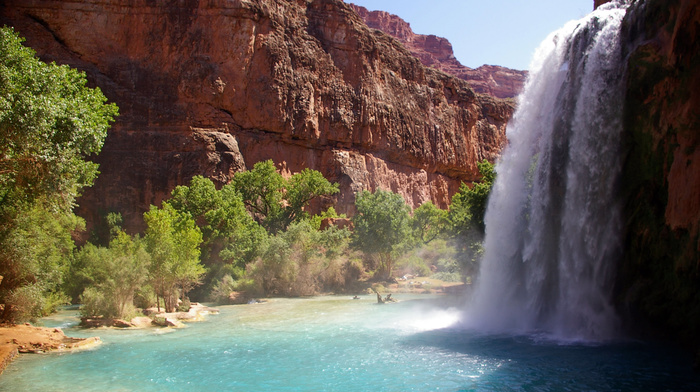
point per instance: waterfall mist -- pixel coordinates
(553, 223)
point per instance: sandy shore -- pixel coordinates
(29, 339)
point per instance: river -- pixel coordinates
(335, 343)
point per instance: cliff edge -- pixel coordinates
(436, 52)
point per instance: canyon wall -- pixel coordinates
(211, 87)
(659, 278)
(436, 52)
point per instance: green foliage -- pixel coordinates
(381, 227)
(429, 222)
(50, 121)
(301, 188)
(110, 277)
(317, 219)
(196, 199)
(276, 202)
(35, 253)
(229, 233)
(448, 276)
(262, 191)
(172, 240)
(413, 264)
(468, 206)
(302, 261)
(231, 229)
(222, 289)
(466, 218)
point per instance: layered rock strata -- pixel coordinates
(436, 52)
(212, 87)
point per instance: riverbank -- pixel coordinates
(25, 338)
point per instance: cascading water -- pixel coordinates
(553, 224)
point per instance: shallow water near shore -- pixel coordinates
(339, 344)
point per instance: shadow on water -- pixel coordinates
(535, 363)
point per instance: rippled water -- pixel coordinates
(340, 344)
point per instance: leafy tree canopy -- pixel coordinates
(50, 122)
(381, 225)
(276, 202)
(468, 206)
(172, 240)
(428, 222)
(229, 232)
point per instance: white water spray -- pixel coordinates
(553, 224)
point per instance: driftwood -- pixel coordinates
(381, 300)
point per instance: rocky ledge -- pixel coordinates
(154, 318)
(25, 338)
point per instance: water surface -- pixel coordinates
(339, 344)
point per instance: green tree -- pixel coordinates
(196, 199)
(238, 235)
(381, 226)
(262, 190)
(172, 240)
(303, 187)
(428, 222)
(111, 276)
(50, 121)
(468, 206)
(466, 217)
(276, 202)
(231, 237)
(34, 261)
(297, 261)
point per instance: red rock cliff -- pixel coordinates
(436, 52)
(659, 277)
(211, 87)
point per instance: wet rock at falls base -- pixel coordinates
(211, 87)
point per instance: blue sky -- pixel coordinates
(497, 32)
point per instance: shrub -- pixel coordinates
(414, 265)
(447, 276)
(94, 304)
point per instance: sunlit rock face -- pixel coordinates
(436, 52)
(211, 87)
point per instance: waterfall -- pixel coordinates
(553, 223)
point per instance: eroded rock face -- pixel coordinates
(658, 280)
(436, 52)
(212, 87)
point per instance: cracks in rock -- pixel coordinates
(55, 36)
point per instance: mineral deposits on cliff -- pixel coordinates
(212, 87)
